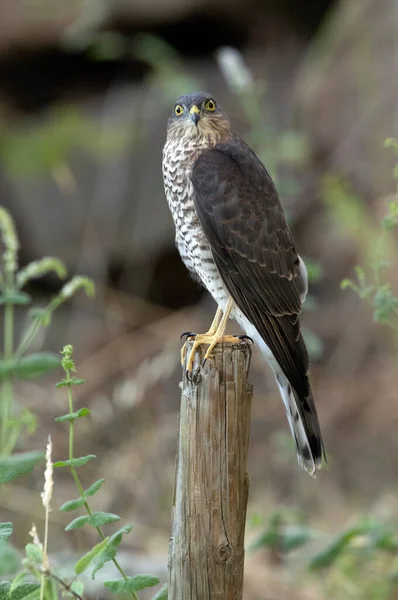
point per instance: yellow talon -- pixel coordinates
(214, 336)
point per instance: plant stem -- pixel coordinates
(32, 330)
(6, 392)
(77, 479)
(65, 585)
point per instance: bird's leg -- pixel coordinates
(215, 323)
(216, 336)
(213, 328)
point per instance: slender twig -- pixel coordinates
(62, 583)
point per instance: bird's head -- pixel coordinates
(197, 115)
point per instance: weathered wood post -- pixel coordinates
(206, 551)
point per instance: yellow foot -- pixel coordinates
(205, 338)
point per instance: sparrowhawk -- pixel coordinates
(232, 235)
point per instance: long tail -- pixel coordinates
(303, 421)
(301, 412)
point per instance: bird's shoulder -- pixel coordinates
(231, 165)
(243, 219)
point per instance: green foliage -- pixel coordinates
(109, 552)
(33, 365)
(371, 281)
(82, 412)
(9, 559)
(14, 466)
(25, 591)
(282, 536)
(131, 584)
(34, 553)
(15, 362)
(74, 462)
(46, 148)
(106, 549)
(5, 531)
(96, 519)
(88, 558)
(360, 559)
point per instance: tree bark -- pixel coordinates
(206, 551)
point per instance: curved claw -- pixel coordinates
(187, 334)
(245, 337)
(193, 376)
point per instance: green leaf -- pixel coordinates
(24, 591)
(110, 551)
(383, 540)
(73, 416)
(5, 531)
(18, 580)
(94, 487)
(77, 587)
(391, 143)
(34, 553)
(96, 520)
(296, 536)
(77, 523)
(347, 283)
(75, 462)
(16, 298)
(34, 365)
(83, 412)
(10, 560)
(16, 465)
(50, 589)
(107, 555)
(132, 584)
(72, 504)
(88, 558)
(116, 538)
(6, 368)
(69, 381)
(162, 593)
(4, 590)
(329, 555)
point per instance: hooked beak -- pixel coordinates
(194, 114)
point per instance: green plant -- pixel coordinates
(372, 283)
(38, 579)
(16, 363)
(37, 564)
(359, 562)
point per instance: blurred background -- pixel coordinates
(86, 87)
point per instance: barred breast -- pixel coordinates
(195, 251)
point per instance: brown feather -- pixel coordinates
(252, 245)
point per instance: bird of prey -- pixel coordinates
(232, 235)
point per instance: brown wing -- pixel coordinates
(240, 212)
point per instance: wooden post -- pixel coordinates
(206, 551)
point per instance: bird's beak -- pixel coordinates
(194, 114)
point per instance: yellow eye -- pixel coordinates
(178, 110)
(210, 105)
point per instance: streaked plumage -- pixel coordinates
(232, 234)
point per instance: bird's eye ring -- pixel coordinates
(210, 105)
(178, 110)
